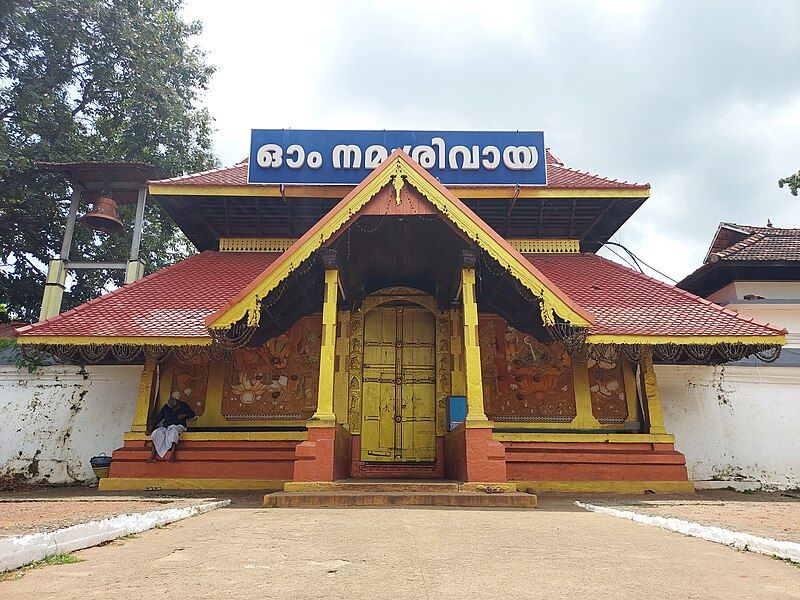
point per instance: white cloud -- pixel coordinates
(702, 100)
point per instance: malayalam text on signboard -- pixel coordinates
(347, 157)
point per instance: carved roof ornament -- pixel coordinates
(329, 259)
(469, 258)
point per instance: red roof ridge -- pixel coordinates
(598, 176)
(193, 175)
(125, 287)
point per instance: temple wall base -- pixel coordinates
(206, 460)
(599, 467)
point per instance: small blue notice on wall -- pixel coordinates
(319, 157)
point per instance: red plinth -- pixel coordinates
(324, 456)
(596, 461)
(224, 459)
(472, 455)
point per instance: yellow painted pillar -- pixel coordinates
(457, 383)
(134, 271)
(584, 416)
(53, 289)
(324, 416)
(472, 351)
(629, 371)
(650, 389)
(144, 398)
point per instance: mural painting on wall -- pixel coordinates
(189, 384)
(277, 380)
(523, 378)
(607, 389)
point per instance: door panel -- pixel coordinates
(399, 407)
(377, 429)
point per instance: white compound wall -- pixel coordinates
(735, 423)
(54, 420)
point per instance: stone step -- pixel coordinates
(352, 499)
(352, 485)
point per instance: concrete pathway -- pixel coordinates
(557, 551)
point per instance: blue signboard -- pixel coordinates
(347, 157)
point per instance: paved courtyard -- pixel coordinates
(552, 552)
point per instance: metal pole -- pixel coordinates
(138, 223)
(75, 200)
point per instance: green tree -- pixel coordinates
(91, 80)
(793, 181)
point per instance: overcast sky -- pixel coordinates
(699, 99)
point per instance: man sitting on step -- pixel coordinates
(170, 423)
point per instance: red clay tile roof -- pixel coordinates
(755, 244)
(169, 303)
(174, 301)
(558, 177)
(625, 302)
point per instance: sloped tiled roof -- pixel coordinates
(169, 303)
(625, 302)
(175, 301)
(756, 244)
(558, 177)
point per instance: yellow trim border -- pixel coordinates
(120, 484)
(257, 244)
(328, 191)
(686, 340)
(228, 436)
(612, 438)
(607, 487)
(545, 246)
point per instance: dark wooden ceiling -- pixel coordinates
(204, 219)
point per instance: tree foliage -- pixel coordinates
(793, 181)
(91, 80)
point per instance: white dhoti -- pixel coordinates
(164, 437)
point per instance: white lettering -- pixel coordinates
(270, 156)
(346, 155)
(490, 163)
(299, 156)
(469, 160)
(424, 155)
(314, 160)
(440, 147)
(374, 156)
(520, 158)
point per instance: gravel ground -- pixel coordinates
(47, 509)
(774, 515)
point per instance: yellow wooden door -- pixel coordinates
(399, 408)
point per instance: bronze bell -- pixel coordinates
(103, 217)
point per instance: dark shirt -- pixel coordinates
(174, 416)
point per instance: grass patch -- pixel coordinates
(788, 561)
(62, 558)
(130, 536)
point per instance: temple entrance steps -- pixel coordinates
(351, 493)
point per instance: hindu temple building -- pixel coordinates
(432, 311)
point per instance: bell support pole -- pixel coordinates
(125, 178)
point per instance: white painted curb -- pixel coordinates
(742, 541)
(24, 549)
